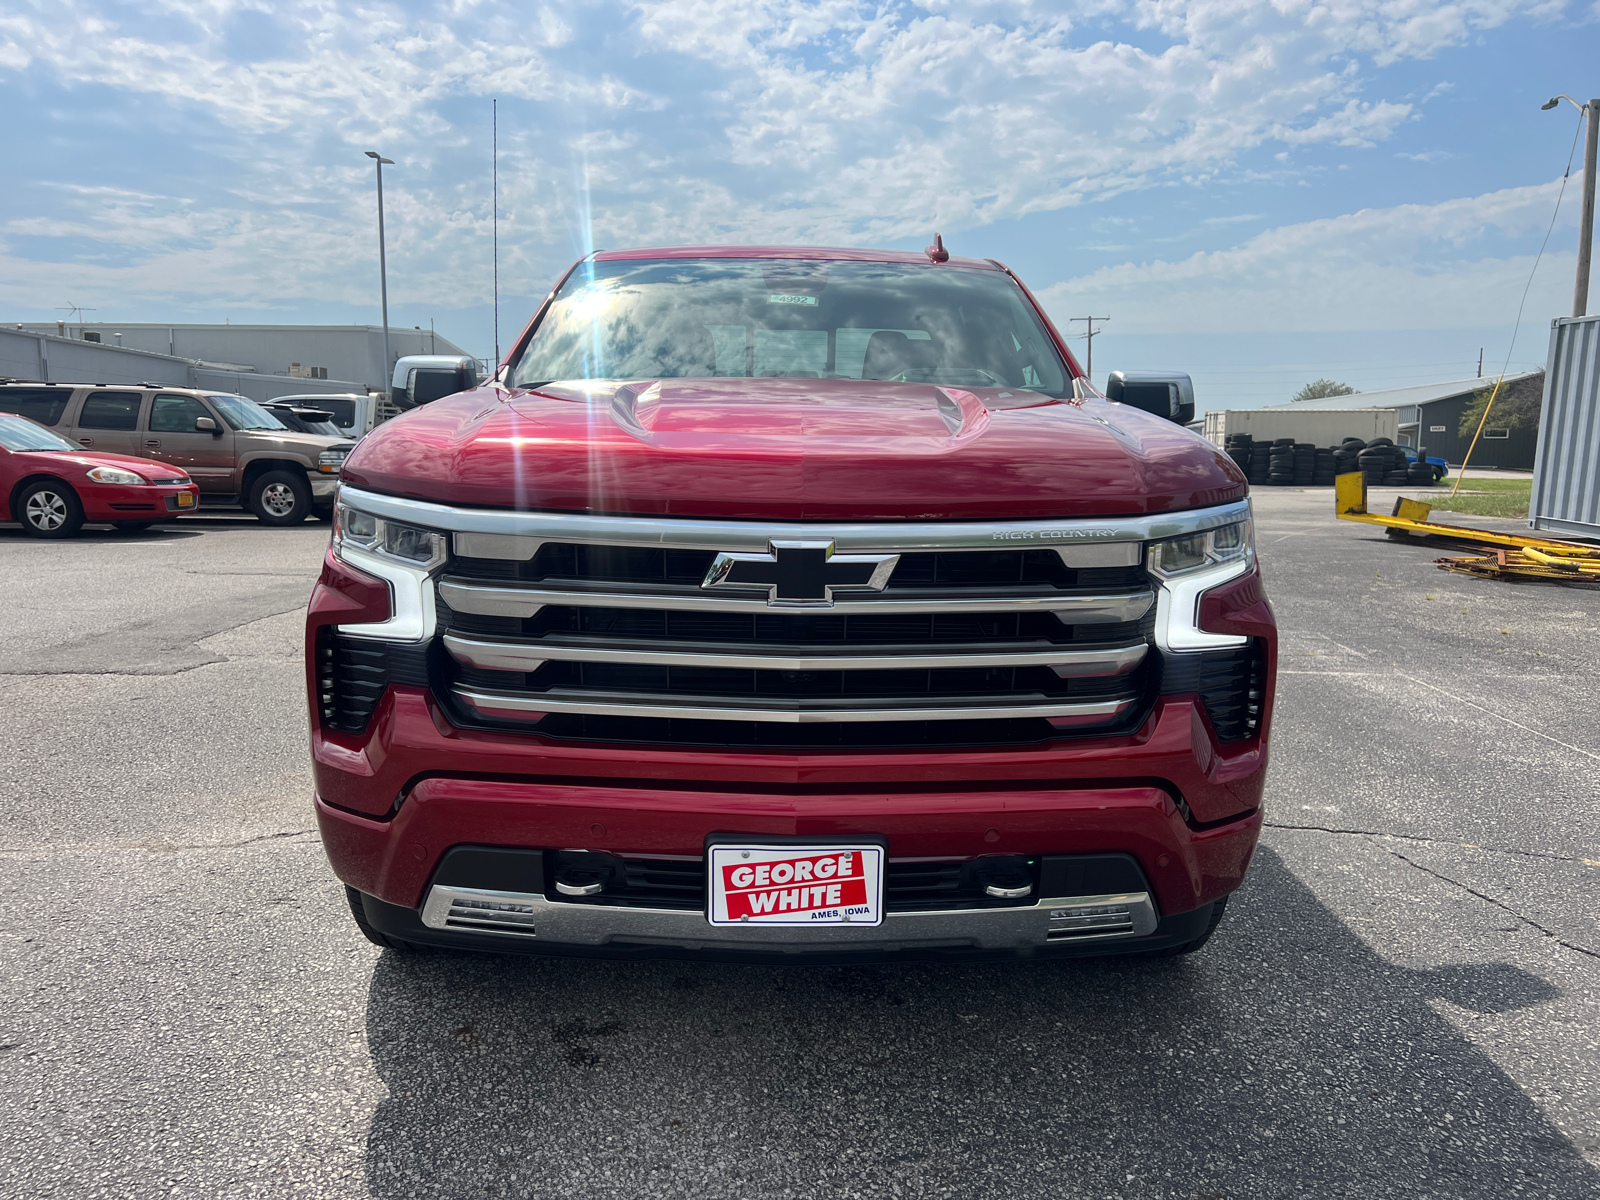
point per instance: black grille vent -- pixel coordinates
(567, 563)
(868, 629)
(648, 603)
(681, 883)
(352, 674)
(761, 735)
(1233, 689)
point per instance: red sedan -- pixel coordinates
(52, 486)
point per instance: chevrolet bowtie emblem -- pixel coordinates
(801, 574)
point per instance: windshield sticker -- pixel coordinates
(783, 298)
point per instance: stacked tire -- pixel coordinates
(1260, 462)
(1237, 446)
(1280, 463)
(1383, 463)
(1324, 467)
(1346, 456)
(1305, 464)
(1287, 463)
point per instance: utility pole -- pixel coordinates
(1480, 362)
(1580, 291)
(1590, 112)
(1088, 365)
(383, 271)
(495, 155)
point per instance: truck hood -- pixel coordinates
(792, 449)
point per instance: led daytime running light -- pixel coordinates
(408, 544)
(1176, 557)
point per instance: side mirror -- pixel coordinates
(423, 378)
(1168, 394)
(207, 425)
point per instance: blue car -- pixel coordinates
(1440, 467)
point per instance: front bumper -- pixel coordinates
(395, 862)
(614, 933)
(151, 502)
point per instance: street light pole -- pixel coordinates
(383, 269)
(1580, 292)
(1580, 287)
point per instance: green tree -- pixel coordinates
(1318, 388)
(1516, 407)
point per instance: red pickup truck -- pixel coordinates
(787, 605)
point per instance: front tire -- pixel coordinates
(49, 509)
(280, 498)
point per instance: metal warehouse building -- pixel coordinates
(344, 354)
(1430, 418)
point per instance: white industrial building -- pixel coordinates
(312, 356)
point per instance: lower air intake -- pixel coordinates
(1090, 921)
(490, 916)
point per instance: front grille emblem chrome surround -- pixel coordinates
(800, 574)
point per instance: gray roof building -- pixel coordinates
(351, 355)
(1430, 418)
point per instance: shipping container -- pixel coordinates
(1566, 473)
(1319, 427)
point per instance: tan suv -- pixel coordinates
(233, 448)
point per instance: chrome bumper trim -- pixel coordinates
(498, 600)
(518, 705)
(530, 656)
(523, 916)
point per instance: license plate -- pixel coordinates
(185, 499)
(756, 884)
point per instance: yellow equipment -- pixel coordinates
(1512, 556)
(1411, 516)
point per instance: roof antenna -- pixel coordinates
(937, 252)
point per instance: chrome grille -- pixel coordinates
(960, 647)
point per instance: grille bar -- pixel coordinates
(526, 705)
(490, 600)
(1066, 662)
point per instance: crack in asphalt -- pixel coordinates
(1501, 905)
(1411, 837)
(153, 673)
(161, 847)
(1501, 717)
(126, 673)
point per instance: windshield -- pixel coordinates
(244, 414)
(19, 433)
(792, 318)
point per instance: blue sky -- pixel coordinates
(1259, 193)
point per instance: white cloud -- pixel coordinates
(833, 121)
(1409, 267)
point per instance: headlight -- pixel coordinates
(1187, 568)
(1176, 557)
(329, 461)
(115, 475)
(408, 544)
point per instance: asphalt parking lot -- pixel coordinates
(1403, 1002)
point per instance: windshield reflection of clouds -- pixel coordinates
(795, 319)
